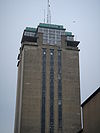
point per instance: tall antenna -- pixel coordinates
(48, 13)
(44, 16)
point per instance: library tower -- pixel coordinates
(48, 86)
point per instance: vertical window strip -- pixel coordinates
(43, 90)
(59, 90)
(51, 90)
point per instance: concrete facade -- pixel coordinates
(29, 88)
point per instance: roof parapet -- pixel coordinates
(51, 26)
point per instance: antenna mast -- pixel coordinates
(44, 16)
(48, 13)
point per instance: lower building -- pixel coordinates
(91, 113)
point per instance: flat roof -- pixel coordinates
(51, 26)
(30, 29)
(68, 33)
(90, 97)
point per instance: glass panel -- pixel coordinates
(51, 36)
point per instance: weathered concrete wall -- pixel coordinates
(31, 97)
(71, 91)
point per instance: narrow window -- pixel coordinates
(51, 90)
(43, 90)
(59, 90)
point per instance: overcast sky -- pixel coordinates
(82, 17)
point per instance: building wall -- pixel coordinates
(71, 91)
(18, 100)
(91, 115)
(31, 97)
(19, 94)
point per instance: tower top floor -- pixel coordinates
(51, 35)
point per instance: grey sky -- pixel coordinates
(15, 15)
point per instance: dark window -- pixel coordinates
(51, 91)
(43, 90)
(59, 90)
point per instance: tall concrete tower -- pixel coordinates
(48, 88)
